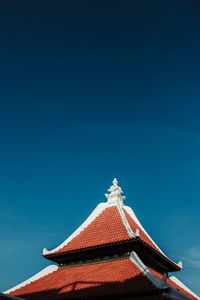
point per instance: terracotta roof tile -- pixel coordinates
(143, 235)
(106, 228)
(172, 283)
(107, 278)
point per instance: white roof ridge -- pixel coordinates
(133, 216)
(160, 284)
(42, 273)
(171, 293)
(96, 212)
(115, 196)
(114, 199)
(182, 285)
(124, 219)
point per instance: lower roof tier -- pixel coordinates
(124, 278)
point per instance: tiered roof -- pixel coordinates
(109, 255)
(110, 223)
(118, 278)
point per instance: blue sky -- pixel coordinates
(92, 90)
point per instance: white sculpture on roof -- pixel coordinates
(115, 192)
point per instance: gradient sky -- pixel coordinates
(89, 91)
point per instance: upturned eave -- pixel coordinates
(147, 253)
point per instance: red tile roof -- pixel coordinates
(106, 228)
(100, 279)
(173, 284)
(143, 235)
(111, 222)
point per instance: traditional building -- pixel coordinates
(110, 256)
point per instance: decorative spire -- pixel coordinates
(115, 192)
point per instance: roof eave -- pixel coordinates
(148, 253)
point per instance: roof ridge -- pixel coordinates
(135, 219)
(42, 273)
(114, 199)
(95, 213)
(169, 291)
(124, 220)
(133, 216)
(160, 284)
(182, 285)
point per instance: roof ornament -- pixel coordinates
(180, 264)
(115, 192)
(45, 251)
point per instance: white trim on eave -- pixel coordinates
(160, 284)
(174, 294)
(171, 292)
(44, 272)
(96, 212)
(183, 286)
(135, 219)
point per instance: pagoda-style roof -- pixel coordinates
(109, 256)
(120, 278)
(111, 228)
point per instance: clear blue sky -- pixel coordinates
(92, 90)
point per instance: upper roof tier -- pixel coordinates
(110, 222)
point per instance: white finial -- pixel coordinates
(115, 181)
(115, 192)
